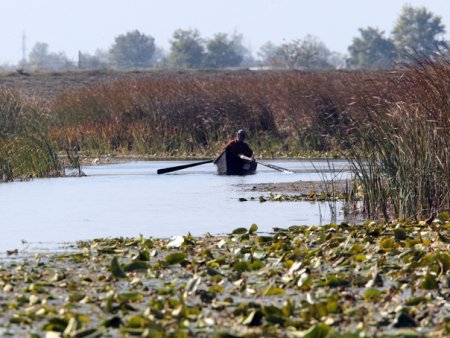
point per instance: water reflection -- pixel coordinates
(130, 199)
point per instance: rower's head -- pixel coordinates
(240, 135)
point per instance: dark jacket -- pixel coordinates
(232, 151)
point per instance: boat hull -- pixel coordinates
(226, 165)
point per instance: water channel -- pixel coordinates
(129, 199)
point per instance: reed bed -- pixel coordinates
(400, 148)
(287, 113)
(25, 149)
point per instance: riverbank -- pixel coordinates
(374, 279)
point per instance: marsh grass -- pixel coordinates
(25, 149)
(286, 113)
(400, 148)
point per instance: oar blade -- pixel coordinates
(275, 167)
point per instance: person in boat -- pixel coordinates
(238, 156)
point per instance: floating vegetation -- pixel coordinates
(313, 196)
(338, 280)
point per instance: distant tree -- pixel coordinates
(222, 51)
(336, 60)
(186, 49)
(418, 30)
(40, 58)
(268, 54)
(133, 50)
(100, 59)
(371, 50)
(309, 53)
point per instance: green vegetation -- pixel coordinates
(25, 148)
(329, 281)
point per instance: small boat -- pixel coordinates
(227, 164)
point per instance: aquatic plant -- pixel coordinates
(25, 149)
(336, 280)
(400, 148)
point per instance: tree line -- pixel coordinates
(416, 31)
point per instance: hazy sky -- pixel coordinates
(87, 25)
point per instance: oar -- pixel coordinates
(179, 167)
(272, 166)
(284, 170)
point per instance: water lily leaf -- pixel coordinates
(256, 265)
(148, 243)
(415, 301)
(429, 282)
(336, 281)
(193, 284)
(372, 295)
(143, 255)
(400, 234)
(136, 322)
(387, 243)
(176, 242)
(239, 231)
(88, 333)
(129, 297)
(404, 320)
(116, 269)
(175, 258)
(253, 229)
(241, 266)
(113, 322)
(55, 324)
(273, 291)
(136, 265)
(253, 319)
(259, 254)
(317, 331)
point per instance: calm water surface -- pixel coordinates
(130, 199)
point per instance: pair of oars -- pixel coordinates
(185, 166)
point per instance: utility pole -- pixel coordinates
(24, 49)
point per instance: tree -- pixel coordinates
(418, 31)
(186, 49)
(133, 50)
(309, 53)
(100, 59)
(268, 53)
(40, 58)
(222, 51)
(371, 50)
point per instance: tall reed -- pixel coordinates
(400, 148)
(25, 149)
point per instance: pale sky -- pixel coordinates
(70, 26)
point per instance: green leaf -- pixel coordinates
(116, 269)
(241, 266)
(317, 331)
(400, 234)
(372, 295)
(273, 291)
(253, 228)
(175, 258)
(239, 231)
(129, 296)
(429, 282)
(136, 265)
